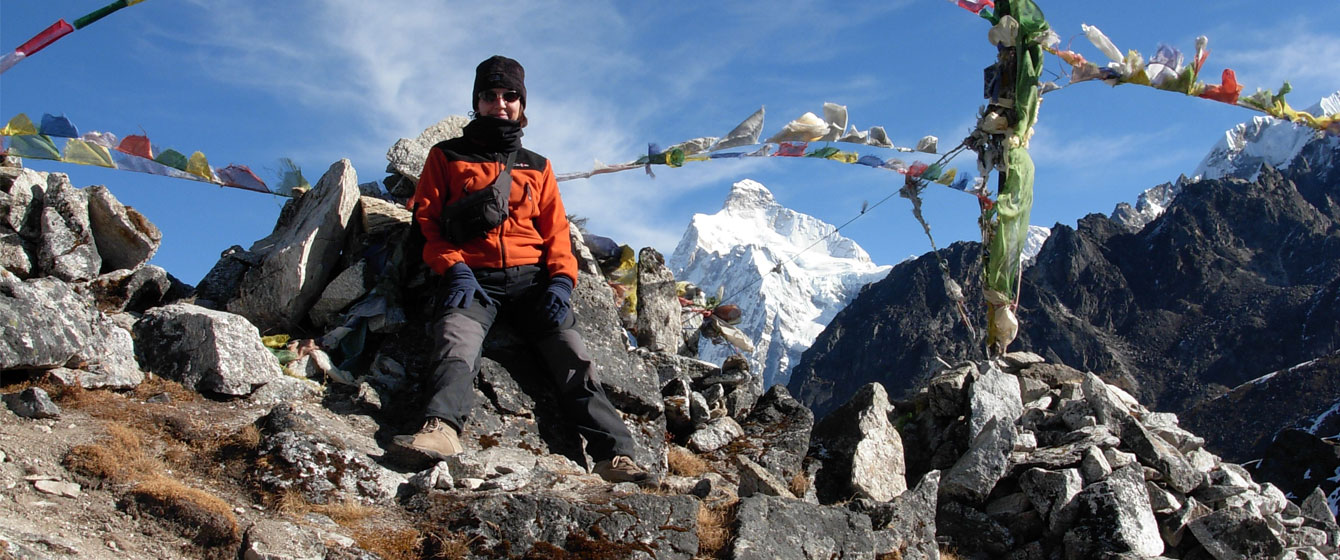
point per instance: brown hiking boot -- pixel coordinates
(622, 469)
(436, 440)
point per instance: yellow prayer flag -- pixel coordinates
(19, 125)
(947, 178)
(199, 167)
(84, 153)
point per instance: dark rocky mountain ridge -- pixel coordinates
(1235, 280)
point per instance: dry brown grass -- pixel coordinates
(799, 484)
(195, 513)
(391, 544)
(119, 458)
(715, 528)
(446, 546)
(683, 462)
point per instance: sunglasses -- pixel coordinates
(508, 96)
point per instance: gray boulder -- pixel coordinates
(1233, 533)
(408, 155)
(778, 430)
(43, 323)
(658, 311)
(298, 258)
(125, 238)
(204, 349)
(771, 528)
(976, 473)
(66, 248)
(21, 193)
(1113, 516)
(993, 394)
(305, 452)
(32, 402)
(637, 526)
(862, 452)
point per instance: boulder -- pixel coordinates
(43, 323)
(135, 290)
(204, 349)
(754, 479)
(32, 402)
(1113, 516)
(305, 451)
(340, 293)
(658, 310)
(106, 361)
(299, 257)
(552, 526)
(223, 281)
(272, 539)
(771, 528)
(715, 435)
(66, 248)
(862, 452)
(778, 430)
(408, 155)
(993, 394)
(20, 204)
(976, 473)
(1236, 533)
(125, 239)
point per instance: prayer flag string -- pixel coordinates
(133, 153)
(57, 30)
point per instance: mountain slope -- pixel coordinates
(1226, 285)
(740, 249)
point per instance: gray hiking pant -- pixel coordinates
(459, 345)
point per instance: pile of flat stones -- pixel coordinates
(1039, 460)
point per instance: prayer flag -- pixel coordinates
(240, 176)
(33, 146)
(137, 145)
(84, 153)
(46, 37)
(19, 125)
(53, 125)
(199, 166)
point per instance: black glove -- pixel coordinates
(556, 302)
(462, 287)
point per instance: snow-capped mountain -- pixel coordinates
(784, 308)
(1240, 154)
(1261, 140)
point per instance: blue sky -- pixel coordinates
(250, 82)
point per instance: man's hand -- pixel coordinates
(557, 300)
(462, 287)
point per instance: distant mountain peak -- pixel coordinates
(1240, 153)
(739, 248)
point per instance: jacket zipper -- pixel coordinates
(502, 229)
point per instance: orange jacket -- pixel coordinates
(536, 229)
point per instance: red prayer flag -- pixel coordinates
(792, 149)
(136, 145)
(46, 37)
(1227, 92)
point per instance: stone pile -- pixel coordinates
(1039, 460)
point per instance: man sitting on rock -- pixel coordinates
(497, 234)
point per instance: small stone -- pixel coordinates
(32, 402)
(58, 488)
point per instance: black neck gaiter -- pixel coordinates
(495, 134)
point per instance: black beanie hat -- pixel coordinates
(499, 72)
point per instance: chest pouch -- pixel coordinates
(474, 215)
